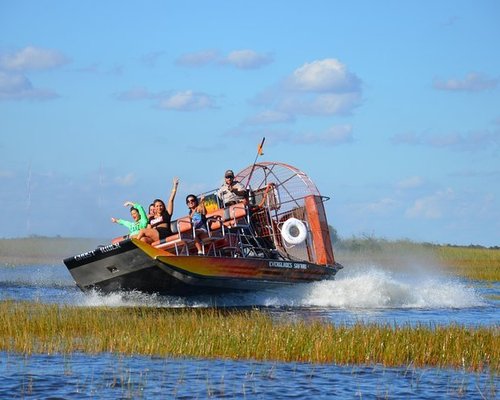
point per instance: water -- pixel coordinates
(81, 376)
(368, 294)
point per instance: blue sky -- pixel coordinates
(391, 107)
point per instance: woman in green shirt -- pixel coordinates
(138, 215)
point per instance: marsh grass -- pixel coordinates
(469, 262)
(472, 263)
(213, 333)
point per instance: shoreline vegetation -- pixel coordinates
(246, 335)
(472, 262)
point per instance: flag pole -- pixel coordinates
(259, 153)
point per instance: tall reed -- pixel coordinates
(212, 333)
(469, 262)
(473, 263)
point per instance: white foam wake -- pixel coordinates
(375, 288)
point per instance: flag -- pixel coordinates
(260, 148)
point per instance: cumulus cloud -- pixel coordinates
(15, 86)
(432, 206)
(32, 58)
(187, 100)
(319, 88)
(471, 141)
(328, 75)
(472, 82)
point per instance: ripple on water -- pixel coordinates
(109, 376)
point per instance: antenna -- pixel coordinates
(259, 153)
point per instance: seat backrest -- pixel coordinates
(181, 225)
(231, 213)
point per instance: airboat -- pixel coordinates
(278, 236)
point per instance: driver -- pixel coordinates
(231, 191)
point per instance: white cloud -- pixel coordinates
(10, 83)
(431, 207)
(247, 59)
(14, 86)
(187, 101)
(319, 88)
(473, 82)
(32, 58)
(328, 75)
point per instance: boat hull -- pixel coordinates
(134, 265)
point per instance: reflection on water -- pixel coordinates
(117, 377)
(366, 294)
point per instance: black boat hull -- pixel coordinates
(133, 265)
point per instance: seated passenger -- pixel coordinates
(231, 191)
(159, 224)
(197, 214)
(138, 215)
(151, 211)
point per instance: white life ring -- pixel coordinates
(294, 231)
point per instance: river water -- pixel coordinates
(364, 293)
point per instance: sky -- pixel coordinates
(392, 108)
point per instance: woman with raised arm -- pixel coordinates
(159, 224)
(138, 215)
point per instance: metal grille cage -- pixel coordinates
(282, 189)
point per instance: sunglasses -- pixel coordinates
(191, 201)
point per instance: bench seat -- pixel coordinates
(183, 233)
